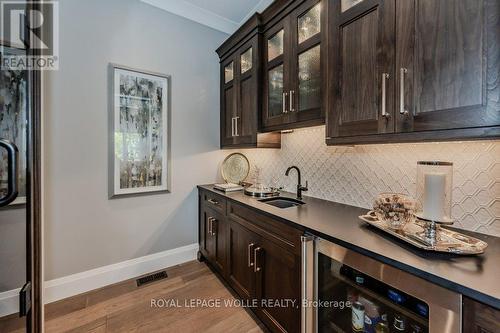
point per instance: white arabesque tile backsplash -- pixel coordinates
(355, 175)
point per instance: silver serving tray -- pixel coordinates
(261, 193)
(448, 241)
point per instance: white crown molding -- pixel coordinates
(196, 14)
(259, 8)
(75, 284)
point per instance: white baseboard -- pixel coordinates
(75, 284)
(9, 302)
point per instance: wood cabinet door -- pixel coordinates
(240, 268)
(247, 104)
(228, 102)
(361, 78)
(218, 241)
(479, 318)
(447, 64)
(307, 62)
(278, 280)
(276, 51)
(207, 241)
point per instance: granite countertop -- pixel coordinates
(474, 276)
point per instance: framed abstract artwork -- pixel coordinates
(139, 133)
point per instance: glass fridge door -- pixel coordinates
(350, 301)
(14, 106)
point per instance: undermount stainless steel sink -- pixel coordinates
(282, 202)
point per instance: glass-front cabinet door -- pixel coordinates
(292, 69)
(247, 98)
(276, 68)
(306, 82)
(239, 97)
(228, 101)
(17, 190)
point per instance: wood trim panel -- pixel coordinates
(277, 232)
(214, 201)
(240, 36)
(479, 318)
(481, 133)
(34, 213)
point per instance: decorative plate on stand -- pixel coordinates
(235, 168)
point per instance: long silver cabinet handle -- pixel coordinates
(236, 126)
(256, 267)
(210, 226)
(292, 109)
(402, 109)
(385, 76)
(213, 201)
(250, 248)
(284, 102)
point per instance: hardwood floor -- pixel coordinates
(124, 307)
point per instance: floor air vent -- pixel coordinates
(151, 278)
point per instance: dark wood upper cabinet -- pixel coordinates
(239, 95)
(440, 66)
(447, 57)
(240, 82)
(293, 62)
(382, 71)
(362, 75)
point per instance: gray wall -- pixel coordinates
(83, 229)
(12, 248)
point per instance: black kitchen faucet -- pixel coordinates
(300, 188)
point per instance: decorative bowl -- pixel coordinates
(396, 210)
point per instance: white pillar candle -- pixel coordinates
(434, 196)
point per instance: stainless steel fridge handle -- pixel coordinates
(13, 172)
(308, 284)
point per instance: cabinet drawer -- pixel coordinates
(214, 201)
(277, 232)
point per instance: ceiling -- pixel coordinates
(222, 15)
